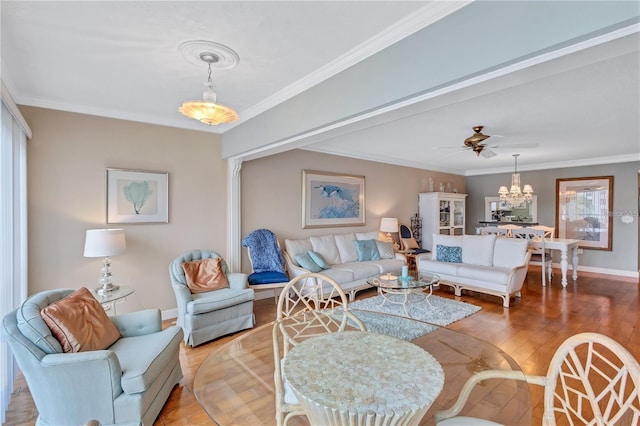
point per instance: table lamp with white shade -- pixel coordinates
(389, 225)
(104, 243)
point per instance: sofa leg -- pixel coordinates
(506, 302)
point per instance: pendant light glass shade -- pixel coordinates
(515, 196)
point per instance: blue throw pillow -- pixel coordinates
(307, 262)
(451, 254)
(319, 260)
(367, 250)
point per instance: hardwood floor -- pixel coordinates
(530, 331)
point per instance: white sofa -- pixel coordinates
(340, 253)
(487, 264)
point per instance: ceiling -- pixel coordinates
(120, 59)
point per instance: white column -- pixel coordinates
(234, 231)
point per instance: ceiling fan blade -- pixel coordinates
(487, 153)
(455, 152)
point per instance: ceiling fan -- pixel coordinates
(476, 143)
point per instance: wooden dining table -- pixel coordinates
(568, 248)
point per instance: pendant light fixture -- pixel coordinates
(208, 110)
(515, 197)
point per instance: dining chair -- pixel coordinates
(538, 235)
(491, 230)
(309, 305)
(536, 255)
(268, 271)
(591, 380)
(510, 228)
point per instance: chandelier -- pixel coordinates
(208, 110)
(515, 197)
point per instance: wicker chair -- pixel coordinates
(542, 253)
(491, 230)
(309, 305)
(592, 379)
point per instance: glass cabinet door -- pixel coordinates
(458, 213)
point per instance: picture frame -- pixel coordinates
(583, 207)
(137, 196)
(332, 199)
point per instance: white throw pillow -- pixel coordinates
(346, 248)
(478, 249)
(297, 247)
(326, 247)
(509, 252)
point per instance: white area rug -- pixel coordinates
(443, 312)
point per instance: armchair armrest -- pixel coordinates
(61, 370)
(479, 377)
(138, 323)
(237, 280)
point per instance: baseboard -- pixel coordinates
(604, 271)
(264, 294)
(169, 314)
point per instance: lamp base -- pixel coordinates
(101, 291)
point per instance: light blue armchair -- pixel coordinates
(126, 384)
(206, 316)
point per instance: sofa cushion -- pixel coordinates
(509, 252)
(318, 259)
(478, 249)
(450, 254)
(339, 275)
(438, 267)
(269, 277)
(446, 240)
(80, 323)
(490, 274)
(218, 299)
(385, 249)
(326, 246)
(367, 250)
(143, 358)
(205, 275)
(306, 261)
(348, 252)
(359, 270)
(372, 235)
(296, 247)
(388, 265)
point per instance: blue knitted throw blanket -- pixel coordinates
(265, 253)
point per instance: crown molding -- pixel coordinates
(626, 158)
(418, 20)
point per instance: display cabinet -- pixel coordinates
(442, 213)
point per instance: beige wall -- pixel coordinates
(67, 158)
(272, 192)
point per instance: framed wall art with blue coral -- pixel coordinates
(137, 196)
(332, 199)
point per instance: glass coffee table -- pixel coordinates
(396, 289)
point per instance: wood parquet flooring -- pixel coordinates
(530, 332)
